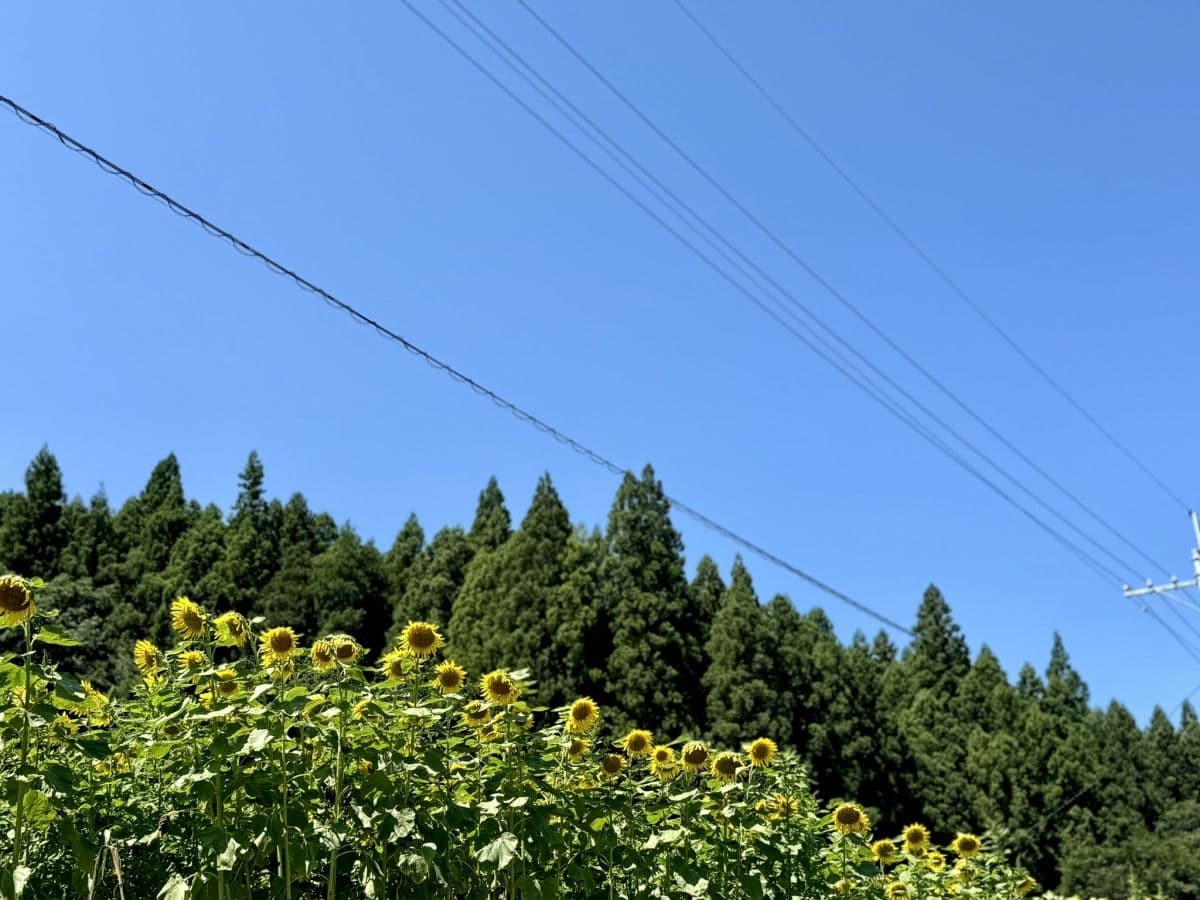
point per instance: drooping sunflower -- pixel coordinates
(578, 749)
(916, 839)
(396, 665)
(896, 890)
(227, 684)
(345, 648)
(966, 845)
(187, 618)
(361, 709)
(488, 734)
(582, 716)
(850, 818)
(762, 752)
(884, 851)
(638, 742)
(612, 766)
(420, 639)
(781, 806)
(663, 760)
(499, 687)
(449, 676)
(277, 645)
(725, 766)
(16, 601)
(695, 756)
(322, 654)
(476, 714)
(231, 629)
(146, 657)
(935, 861)
(192, 660)
(1027, 886)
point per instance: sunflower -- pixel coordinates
(277, 646)
(966, 845)
(663, 759)
(488, 734)
(146, 657)
(896, 890)
(395, 665)
(637, 743)
(582, 716)
(476, 714)
(916, 839)
(187, 618)
(1026, 886)
(16, 601)
(725, 766)
(695, 756)
(420, 639)
(850, 818)
(781, 806)
(345, 648)
(935, 861)
(361, 708)
(227, 684)
(499, 687)
(231, 629)
(612, 766)
(192, 660)
(762, 751)
(449, 676)
(578, 749)
(322, 654)
(884, 851)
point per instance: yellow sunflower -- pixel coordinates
(578, 749)
(695, 757)
(449, 676)
(612, 766)
(916, 839)
(896, 890)
(476, 714)
(663, 762)
(420, 639)
(638, 742)
(227, 684)
(345, 648)
(966, 845)
(231, 629)
(1027, 886)
(850, 818)
(582, 716)
(187, 618)
(781, 806)
(935, 861)
(488, 734)
(499, 687)
(762, 752)
(322, 654)
(277, 645)
(361, 709)
(192, 660)
(16, 601)
(146, 657)
(725, 766)
(884, 851)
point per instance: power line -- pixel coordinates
(826, 285)
(521, 414)
(941, 273)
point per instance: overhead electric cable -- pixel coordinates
(932, 264)
(455, 374)
(824, 283)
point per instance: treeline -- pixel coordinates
(1083, 797)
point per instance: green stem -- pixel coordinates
(337, 785)
(287, 860)
(20, 812)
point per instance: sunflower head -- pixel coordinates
(582, 716)
(346, 649)
(231, 629)
(322, 654)
(361, 709)
(227, 684)
(695, 757)
(850, 818)
(578, 748)
(916, 839)
(612, 766)
(16, 601)
(782, 806)
(146, 657)
(476, 715)
(896, 890)
(277, 645)
(725, 766)
(663, 762)
(638, 742)
(966, 845)
(187, 619)
(762, 752)
(449, 677)
(884, 851)
(1027, 886)
(420, 639)
(935, 861)
(192, 660)
(499, 687)
(396, 665)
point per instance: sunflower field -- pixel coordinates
(245, 765)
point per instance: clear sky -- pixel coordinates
(1045, 155)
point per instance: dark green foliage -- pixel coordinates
(435, 579)
(399, 561)
(492, 525)
(348, 588)
(706, 591)
(252, 541)
(33, 534)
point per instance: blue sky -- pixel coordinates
(1043, 154)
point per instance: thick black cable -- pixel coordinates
(522, 415)
(933, 266)
(826, 285)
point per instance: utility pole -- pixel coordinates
(1175, 584)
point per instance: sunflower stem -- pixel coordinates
(287, 860)
(337, 784)
(19, 824)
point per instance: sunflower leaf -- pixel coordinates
(56, 636)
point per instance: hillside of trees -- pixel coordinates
(1083, 797)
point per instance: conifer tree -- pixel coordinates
(706, 590)
(33, 534)
(435, 580)
(656, 664)
(401, 558)
(252, 548)
(938, 657)
(492, 525)
(286, 600)
(92, 550)
(348, 586)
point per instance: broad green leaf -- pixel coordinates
(500, 851)
(56, 636)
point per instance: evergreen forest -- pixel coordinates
(1083, 797)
